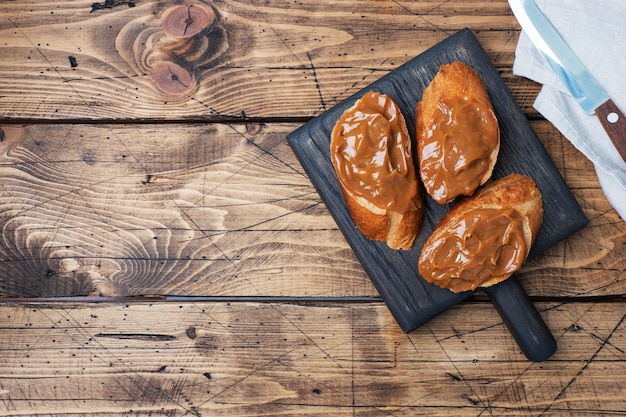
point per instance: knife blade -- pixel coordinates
(580, 83)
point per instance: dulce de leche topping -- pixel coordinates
(482, 245)
(371, 153)
(456, 148)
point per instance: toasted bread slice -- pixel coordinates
(458, 137)
(484, 238)
(371, 151)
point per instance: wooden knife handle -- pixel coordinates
(614, 123)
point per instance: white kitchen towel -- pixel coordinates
(597, 34)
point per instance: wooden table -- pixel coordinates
(163, 253)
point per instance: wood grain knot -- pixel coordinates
(186, 21)
(10, 135)
(255, 128)
(171, 78)
(174, 46)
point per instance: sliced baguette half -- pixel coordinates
(458, 137)
(484, 238)
(371, 152)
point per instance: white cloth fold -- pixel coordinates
(596, 33)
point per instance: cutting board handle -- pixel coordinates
(522, 319)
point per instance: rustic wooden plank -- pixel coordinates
(221, 210)
(68, 60)
(227, 359)
(184, 209)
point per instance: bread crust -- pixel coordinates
(516, 192)
(455, 83)
(397, 227)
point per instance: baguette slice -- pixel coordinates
(484, 238)
(458, 137)
(371, 152)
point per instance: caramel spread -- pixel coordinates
(457, 146)
(372, 155)
(482, 244)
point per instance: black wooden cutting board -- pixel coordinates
(411, 299)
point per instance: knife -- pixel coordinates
(572, 73)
